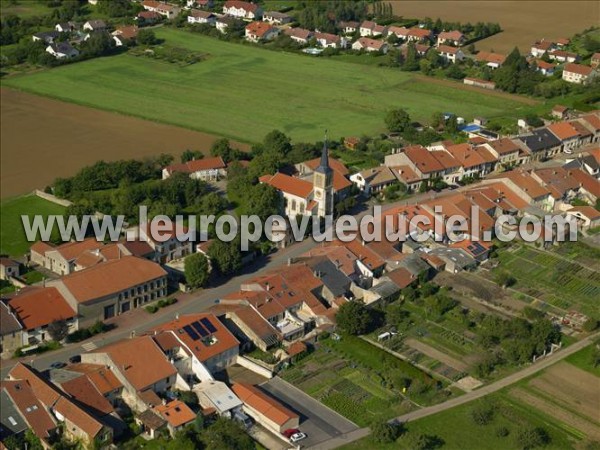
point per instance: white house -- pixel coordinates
(164, 9)
(207, 169)
(276, 18)
(539, 48)
(94, 25)
(563, 56)
(578, 73)
(198, 16)
(260, 31)
(370, 45)
(330, 40)
(299, 35)
(242, 10)
(454, 37)
(451, 54)
(348, 27)
(544, 67)
(369, 28)
(62, 50)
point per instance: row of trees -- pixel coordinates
(324, 15)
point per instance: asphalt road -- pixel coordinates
(319, 422)
(470, 396)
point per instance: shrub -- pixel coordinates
(502, 432)
(152, 309)
(590, 325)
(482, 414)
(386, 433)
(528, 438)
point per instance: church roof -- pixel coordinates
(324, 164)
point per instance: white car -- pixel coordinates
(297, 437)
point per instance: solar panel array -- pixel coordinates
(476, 248)
(198, 330)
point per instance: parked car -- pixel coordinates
(75, 359)
(57, 365)
(297, 437)
(290, 432)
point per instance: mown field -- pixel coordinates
(13, 241)
(243, 92)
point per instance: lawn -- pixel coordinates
(24, 8)
(12, 235)
(243, 92)
(456, 429)
(583, 360)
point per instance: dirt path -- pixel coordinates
(437, 354)
(42, 139)
(487, 92)
(562, 415)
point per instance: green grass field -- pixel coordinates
(584, 360)
(457, 431)
(243, 92)
(12, 236)
(24, 8)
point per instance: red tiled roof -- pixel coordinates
(140, 360)
(127, 32)
(371, 43)
(198, 165)
(453, 35)
(421, 33)
(423, 159)
(291, 185)
(563, 130)
(264, 404)
(84, 391)
(24, 398)
(176, 413)
(588, 182)
(593, 120)
(259, 29)
(588, 211)
(299, 33)
(204, 350)
(578, 69)
(101, 376)
(543, 44)
(39, 306)
(504, 146)
(241, 5)
(401, 277)
(111, 277)
(447, 49)
(490, 57)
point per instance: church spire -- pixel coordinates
(324, 164)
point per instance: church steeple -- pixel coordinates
(324, 164)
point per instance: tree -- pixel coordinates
(504, 279)
(533, 120)
(411, 62)
(222, 147)
(197, 270)
(397, 120)
(590, 325)
(199, 423)
(58, 329)
(482, 413)
(354, 318)
(528, 437)
(191, 155)
(383, 432)
(262, 200)
(455, 72)
(277, 142)
(225, 434)
(146, 36)
(226, 256)
(98, 44)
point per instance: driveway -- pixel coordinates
(316, 420)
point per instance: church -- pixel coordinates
(313, 192)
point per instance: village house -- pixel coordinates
(248, 326)
(563, 56)
(451, 54)
(199, 16)
(370, 45)
(36, 308)
(53, 407)
(260, 31)
(578, 73)
(62, 50)
(505, 150)
(595, 61)
(537, 196)
(571, 135)
(454, 37)
(46, 36)
(264, 409)
(140, 367)
(61, 259)
(11, 331)
(592, 123)
(164, 9)
(588, 162)
(399, 32)
(276, 18)
(328, 40)
(112, 288)
(300, 35)
(544, 67)
(9, 268)
(199, 344)
(94, 25)
(492, 60)
(67, 27)
(374, 180)
(203, 4)
(148, 17)
(369, 28)
(539, 48)
(205, 169)
(340, 184)
(475, 161)
(242, 10)
(224, 22)
(98, 377)
(560, 112)
(417, 34)
(348, 27)
(562, 186)
(124, 35)
(540, 143)
(177, 415)
(587, 217)
(167, 241)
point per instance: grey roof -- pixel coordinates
(324, 164)
(47, 35)
(8, 321)
(96, 23)
(539, 140)
(335, 280)
(63, 47)
(459, 257)
(414, 264)
(385, 288)
(578, 163)
(11, 421)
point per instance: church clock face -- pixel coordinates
(318, 194)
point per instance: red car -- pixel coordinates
(290, 431)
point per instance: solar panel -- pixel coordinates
(190, 331)
(209, 326)
(200, 329)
